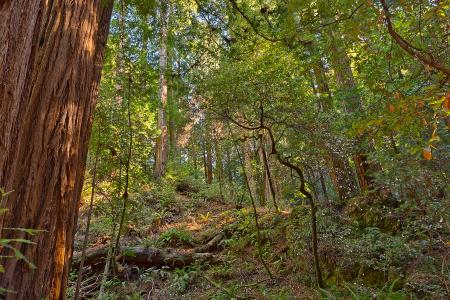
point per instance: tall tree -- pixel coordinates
(162, 150)
(352, 104)
(50, 62)
(248, 166)
(208, 153)
(339, 168)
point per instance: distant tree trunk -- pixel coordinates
(172, 123)
(172, 133)
(193, 156)
(50, 61)
(88, 222)
(341, 175)
(323, 90)
(265, 186)
(161, 151)
(229, 165)
(205, 165)
(339, 167)
(269, 187)
(219, 167)
(248, 158)
(344, 76)
(352, 103)
(209, 164)
(323, 185)
(260, 179)
(229, 173)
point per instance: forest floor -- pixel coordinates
(236, 271)
(368, 250)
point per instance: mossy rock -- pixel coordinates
(346, 273)
(372, 277)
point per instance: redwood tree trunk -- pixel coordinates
(339, 168)
(209, 162)
(162, 150)
(50, 61)
(352, 104)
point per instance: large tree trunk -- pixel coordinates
(162, 151)
(50, 61)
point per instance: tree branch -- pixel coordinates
(411, 50)
(250, 22)
(343, 19)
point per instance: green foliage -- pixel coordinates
(281, 294)
(175, 237)
(359, 292)
(208, 192)
(231, 292)
(161, 194)
(183, 278)
(224, 269)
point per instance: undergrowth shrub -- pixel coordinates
(369, 256)
(160, 194)
(175, 237)
(209, 192)
(183, 278)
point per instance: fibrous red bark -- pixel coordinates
(161, 149)
(50, 61)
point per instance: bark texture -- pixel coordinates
(352, 104)
(50, 61)
(162, 150)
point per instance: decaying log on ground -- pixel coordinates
(143, 257)
(213, 244)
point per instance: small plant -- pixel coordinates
(208, 192)
(281, 294)
(175, 237)
(183, 277)
(161, 194)
(225, 293)
(223, 270)
(205, 217)
(149, 243)
(8, 243)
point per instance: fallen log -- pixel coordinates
(213, 244)
(143, 257)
